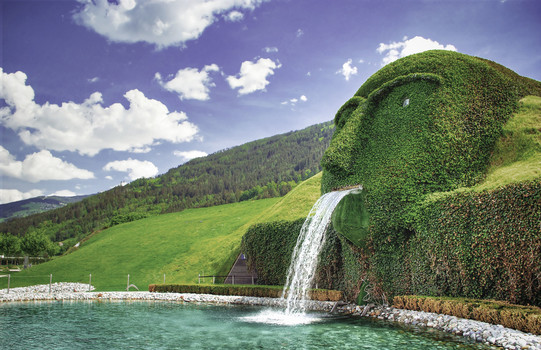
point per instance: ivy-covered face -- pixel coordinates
(384, 143)
(425, 123)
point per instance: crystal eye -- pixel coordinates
(406, 102)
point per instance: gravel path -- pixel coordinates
(478, 331)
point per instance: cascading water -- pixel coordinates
(305, 256)
(303, 264)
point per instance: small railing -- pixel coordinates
(251, 279)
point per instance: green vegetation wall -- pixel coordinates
(419, 136)
(268, 248)
(479, 245)
(428, 123)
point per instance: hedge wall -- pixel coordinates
(268, 248)
(467, 244)
(479, 245)
(242, 290)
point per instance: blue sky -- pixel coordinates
(96, 93)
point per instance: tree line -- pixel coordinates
(264, 168)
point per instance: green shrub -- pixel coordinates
(268, 248)
(241, 290)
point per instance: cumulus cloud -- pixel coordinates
(253, 75)
(162, 23)
(9, 195)
(190, 83)
(396, 50)
(89, 127)
(135, 168)
(189, 155)
(348, 69)
(40, 166)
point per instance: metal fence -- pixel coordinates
(229, 279)
(128, 282)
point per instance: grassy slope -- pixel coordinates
(180, 245)
(517, 155)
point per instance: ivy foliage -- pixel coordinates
(428, 123)
(479, 245)
(268, 248)
(425, 123)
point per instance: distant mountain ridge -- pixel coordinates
(264, 168)
(36, 205)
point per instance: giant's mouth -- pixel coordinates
(347, 187)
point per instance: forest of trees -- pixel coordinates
(264, 168)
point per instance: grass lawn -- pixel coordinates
(179, 245)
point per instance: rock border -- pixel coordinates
(475, 330)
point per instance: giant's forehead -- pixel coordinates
(436, 62)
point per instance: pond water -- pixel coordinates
(155, 325)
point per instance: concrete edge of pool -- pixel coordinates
(478, 331)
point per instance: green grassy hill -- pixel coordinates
(264, 168)
(179, 245)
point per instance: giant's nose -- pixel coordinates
(340, 156)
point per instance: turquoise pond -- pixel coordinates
(159, 325)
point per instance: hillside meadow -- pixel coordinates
(180, 245)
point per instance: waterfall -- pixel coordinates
(305, 256)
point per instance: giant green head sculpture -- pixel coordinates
(422, 124)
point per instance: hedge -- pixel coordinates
(479, 245)
(268, 248)
(242, 290)
(523, 318)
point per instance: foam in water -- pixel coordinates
(303, 265)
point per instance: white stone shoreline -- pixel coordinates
(478, 331)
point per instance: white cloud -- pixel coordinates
(64, 193)
(189, 155)
(253, 76)
(234, 16)
(135, 168)
(8, 196)
(93, 80)
(293, 101)
(347, 69)
(396, 50)
(300, 33)
(162, 23)
(89, 127)
(189, 83)
(40, 166)
(269, 49)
